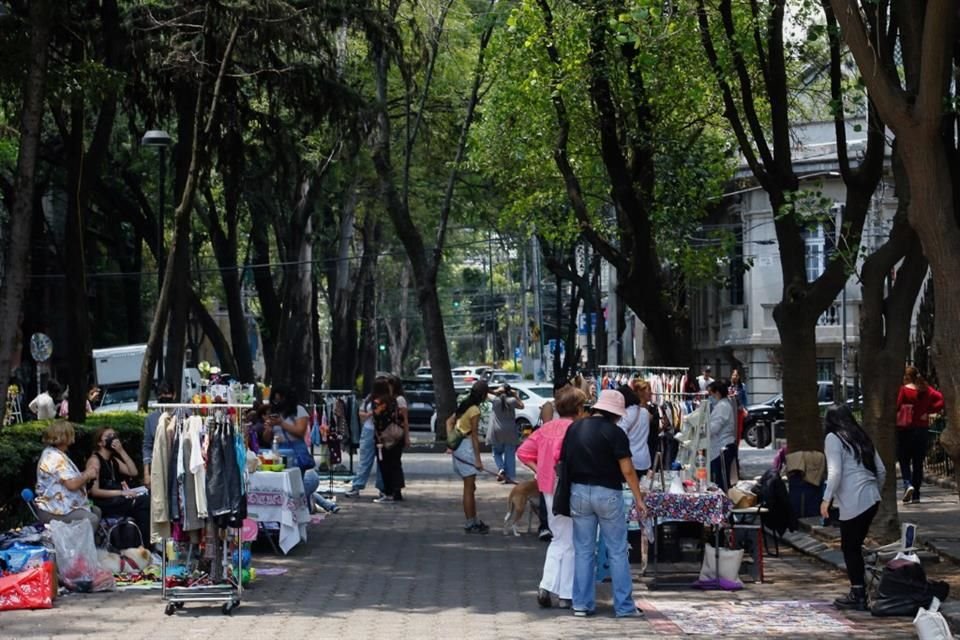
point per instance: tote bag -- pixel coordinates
(561, 492)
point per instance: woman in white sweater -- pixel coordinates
(855, 474)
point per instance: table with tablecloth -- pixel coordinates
(278, 496)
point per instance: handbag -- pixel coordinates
(905, 415)
(561, 492)
(391, 436)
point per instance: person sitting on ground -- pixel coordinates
(541, 452)
(466, 457)
(109, 489)
(61, 487)
(598, 460)
(44, 406)
(855, 474)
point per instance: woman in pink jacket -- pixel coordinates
(540, 452)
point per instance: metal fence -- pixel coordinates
(937, 461)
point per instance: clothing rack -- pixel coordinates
(227, 589)
(618, 368)
(336, 394)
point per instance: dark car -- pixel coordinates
(766, 419)
(420, 402)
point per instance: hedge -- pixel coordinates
(21, 444)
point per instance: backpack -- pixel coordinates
(904, 588)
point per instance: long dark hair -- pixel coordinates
(840, 422)
(283, 400)
(478, 393)
(630, 397)
(382, 389)
(396, 385)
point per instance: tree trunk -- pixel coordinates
(343, 314)
(264, 283)
(798, 340)
(212, 330)
(16, 265)
(132, 292)
(315, 338)
(436, 341)
(399, 337)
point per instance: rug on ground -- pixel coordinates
(777, 617)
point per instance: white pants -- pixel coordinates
(558, 565)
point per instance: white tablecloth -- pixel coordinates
(278, 496)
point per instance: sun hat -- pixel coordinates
(610, 401)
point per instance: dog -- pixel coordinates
(522, 495)
(132, 560)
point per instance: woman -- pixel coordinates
(386, 412)
(368, 450)
(598, 460)
(855, 474)
(289, 422)
(466, 457)
(636, 424)
(540, 452)
(113, 467)
(723, 435)
(61, 488)
(738, 390)
(503, 432)
(916, 402)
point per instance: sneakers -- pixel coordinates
(564, 603)
(636, 613)
(544, 599)
(583, 613)
(855, 600)
(384, 500)
(908, 494)
(353, 493)
(501, 476)
(545, 535)
(477, 527)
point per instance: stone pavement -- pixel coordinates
(408, 571)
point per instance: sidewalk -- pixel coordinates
(937, 518)
(409, 571)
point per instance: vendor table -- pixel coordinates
(711, 509)
(278, 496)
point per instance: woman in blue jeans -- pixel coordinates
(503, 435)
(597, 456)
(367, 453)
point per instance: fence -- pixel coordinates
(937, 461)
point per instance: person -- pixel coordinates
(704, 379)
(466, 457)
(290, 422)
(855, 474)
(916, 402)
(258, 436)
(396, 390)
(93, 397)
(109, 489)
(367, 452)
(541, 452)
(636, 424)
(44, 406)
(738, 389)
(61, 487)
(164, 395)
(386, 411)
(723, 435)
(548, 413)
(503, 436)
(63, 411)
(597, 455)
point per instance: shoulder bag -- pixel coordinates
(561, 492)
(905, 415)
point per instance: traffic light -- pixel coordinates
(456, 304)
(383, 347)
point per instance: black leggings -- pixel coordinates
(852, 534)
(911, 450)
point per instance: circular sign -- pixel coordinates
(41, 347)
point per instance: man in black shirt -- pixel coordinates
(597, 456)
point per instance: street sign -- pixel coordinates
(517, 353)
(41, 347)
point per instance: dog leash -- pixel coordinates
(470, 464)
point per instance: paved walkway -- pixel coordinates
(408, 571)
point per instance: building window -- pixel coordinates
(821, 243)
(826, 368)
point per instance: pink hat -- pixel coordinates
(611, 401)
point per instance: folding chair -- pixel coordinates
(875, 558)
(28, 497)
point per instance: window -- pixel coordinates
(821, 243)
(826, 368)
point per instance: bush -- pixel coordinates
(21, 444)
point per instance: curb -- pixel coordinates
(807, 544)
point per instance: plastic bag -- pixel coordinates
(32, 589)
(77, 557)
(930, 623)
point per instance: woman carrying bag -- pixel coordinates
(463, 440)
(390, 435)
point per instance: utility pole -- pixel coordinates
(538, 307)
(525, 322)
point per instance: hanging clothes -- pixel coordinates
(159, 486)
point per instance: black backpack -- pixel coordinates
(904, 588)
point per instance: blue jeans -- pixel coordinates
(311, 480)
(505, 457)
(592, 505)
(368, 451)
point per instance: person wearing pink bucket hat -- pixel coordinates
(597, 461)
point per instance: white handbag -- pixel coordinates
(930, 623)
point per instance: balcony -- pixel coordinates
(831, 317)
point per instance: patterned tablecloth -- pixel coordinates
(278, 496)
(707, 508)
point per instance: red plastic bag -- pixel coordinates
(31, 589)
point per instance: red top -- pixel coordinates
(924, 401)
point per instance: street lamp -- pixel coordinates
(161, 140)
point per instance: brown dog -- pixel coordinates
(521, 495)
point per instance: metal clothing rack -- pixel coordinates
(228, 576)
(333, 393)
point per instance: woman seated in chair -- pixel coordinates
(61, 487)
(112, 466)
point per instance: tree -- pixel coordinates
(15, 263)
(914, 106)
(751, 62)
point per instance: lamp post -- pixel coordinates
(161, 140)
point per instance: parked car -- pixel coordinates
(469, 375)
(533, 394)
(423, 372)
(421, 402)
(499, 376)
(121, 397)
(766, 419)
